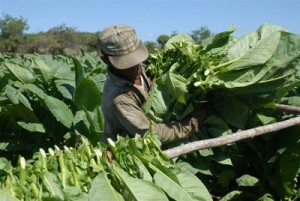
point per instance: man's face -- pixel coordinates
(130, 74)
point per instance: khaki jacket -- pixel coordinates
(122, 106)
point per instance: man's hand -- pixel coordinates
(199, 113)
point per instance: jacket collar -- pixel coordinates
(121, 82)
(117, 80)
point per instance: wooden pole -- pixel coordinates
(288, 108)
(219, 141)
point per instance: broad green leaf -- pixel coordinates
(21, 73)
(186, 166)
(142, 169)
(64, 70)
(221, 158)
(158, 101)
(290, 166)
(66, 88)
(11, 93)
(243, 78)
(60, 111)
(266, 197)
(81, 123)
(80, 197)
(102, 189)
(259, 89)
(95, 135)
(239, 195)
(206, 152)
(267, 29)
(282, 63)
(79, 71)
(32, 127)
(176, 85)
(172, 188)
(247, 180)
(233, 195)
(276, 156)
(5, 196)
(253, 49)
(87, 95)
(293, 100)
(216, 126)
(179, 38)
(265, 119)
(24, 100)
(225, 178)
(232, 110)
(4, 145)
(16, 96)
(3, 161)
(72, 192)
(218, 40)
(36, 90)
(138, 189)
(44, 68)
(193, 186)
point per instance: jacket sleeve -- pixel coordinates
(134, 121)
(176, 130)
(130, 117)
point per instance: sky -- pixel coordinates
(152, 18)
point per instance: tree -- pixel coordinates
(65, 38)
(11, 27)
(12, 32)
(162, 40)
(151, 46)
(174, 33)
(88, 41)
(200, 34)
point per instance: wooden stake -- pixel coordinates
(219, 141)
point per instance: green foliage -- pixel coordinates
(46, 100)
(201, 34)
(162, 39)
(61, 40)
(57, 40)
(139, 171)
(11, 26)
(38, 92)
(11, 32)
(229, 73)
(151, 46)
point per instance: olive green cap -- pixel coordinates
(122, 46)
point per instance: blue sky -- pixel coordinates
(152, 18)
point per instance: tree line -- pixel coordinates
(62, 39)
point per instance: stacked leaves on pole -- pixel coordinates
(239, 80)
(233, 75)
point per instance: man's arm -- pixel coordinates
(134, 121)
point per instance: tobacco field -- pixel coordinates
(51, 124)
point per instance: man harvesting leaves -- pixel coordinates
(126, 90)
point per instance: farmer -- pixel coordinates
(127, 87)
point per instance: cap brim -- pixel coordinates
(131, 59)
